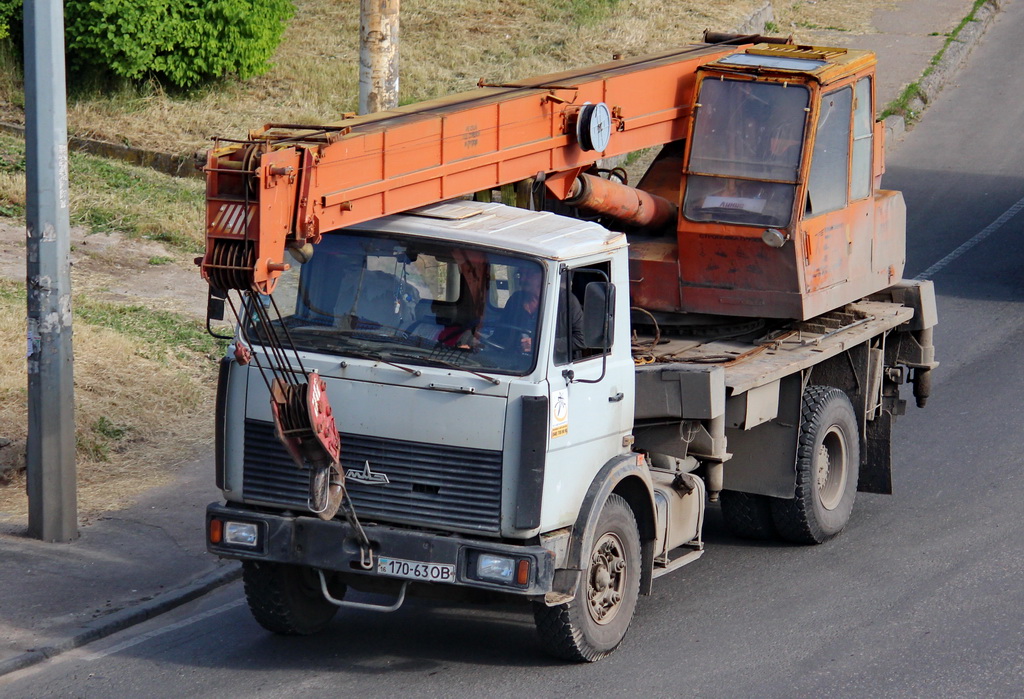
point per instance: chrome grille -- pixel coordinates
(430, 485)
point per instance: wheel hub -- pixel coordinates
(831, 468)
(607, 579)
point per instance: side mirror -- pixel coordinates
(215, 304)
(598, 319)
(215, 299)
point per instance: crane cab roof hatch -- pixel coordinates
(820, 63)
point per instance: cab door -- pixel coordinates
(590, 394)
(838, 218)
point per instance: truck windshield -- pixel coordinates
(409, 301)
(745, 158)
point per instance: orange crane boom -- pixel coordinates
(287, 184)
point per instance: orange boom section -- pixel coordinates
(287, 184)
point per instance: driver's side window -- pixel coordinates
(569, 324)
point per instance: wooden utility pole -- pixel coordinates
(378, 55)
(50, 453)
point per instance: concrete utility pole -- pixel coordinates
(378, 55)
(50, 458)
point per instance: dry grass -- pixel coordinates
(127, 439)
(12, 187)
(447, 45)
(112, 197)
(13, 392)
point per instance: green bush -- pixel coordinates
(179, 42)
(10, 15)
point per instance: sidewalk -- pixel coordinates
(130, 565)
(124, 568)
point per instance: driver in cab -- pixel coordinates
(520, 313)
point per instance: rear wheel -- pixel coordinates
(287, 599)
(748, 516)
(594, 623)
(828, 463)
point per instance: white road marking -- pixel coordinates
(980, 236)
(117, 648)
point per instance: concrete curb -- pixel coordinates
(124, 618)
(167, 163)
(755, 23)
(943, 72)
(956, 53)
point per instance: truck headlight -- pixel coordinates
(514, 571)
(241, 534)
(492, 568)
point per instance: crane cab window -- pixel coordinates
(745, 157)
(863, 146)
(828, 184)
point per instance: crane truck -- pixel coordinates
(429, 392)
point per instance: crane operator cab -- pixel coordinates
(781, 211)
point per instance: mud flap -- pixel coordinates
(876, 469)
(563, 587)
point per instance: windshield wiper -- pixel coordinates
(373, 356)
(450, 365)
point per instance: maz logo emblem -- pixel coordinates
(367, 476)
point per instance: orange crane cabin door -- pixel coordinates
(844, 249)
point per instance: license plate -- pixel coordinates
(415, 570)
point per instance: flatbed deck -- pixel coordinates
(706, 366)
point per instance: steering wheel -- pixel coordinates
(515, 335)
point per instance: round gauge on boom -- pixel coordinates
(594, 126)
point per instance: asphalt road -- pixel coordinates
(923, 595)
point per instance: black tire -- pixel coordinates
(748, 516)
(287, 599)
(828, 464)
(593, 625)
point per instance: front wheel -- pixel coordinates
(828, 463)
(594, 623)
(287, 599)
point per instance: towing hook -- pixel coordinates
(365, 557)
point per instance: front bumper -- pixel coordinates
(333, 546)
